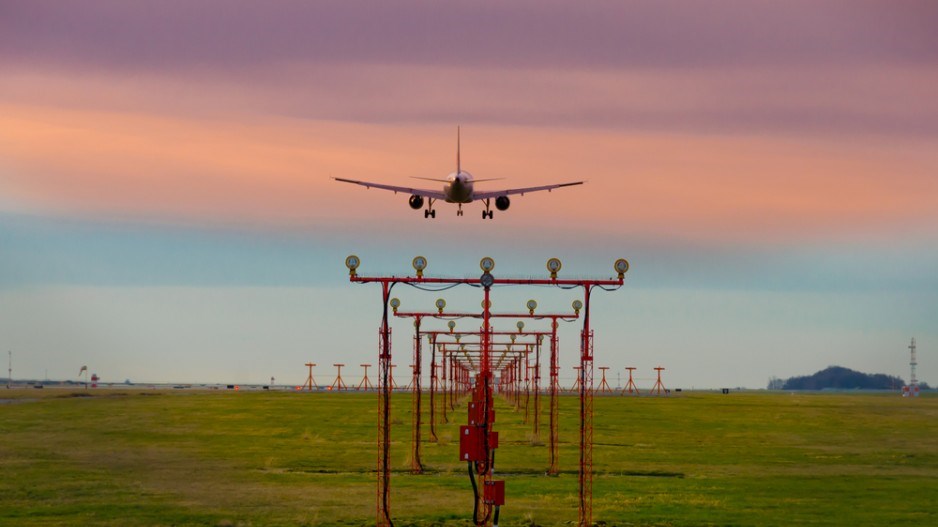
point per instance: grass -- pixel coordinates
(219, 458)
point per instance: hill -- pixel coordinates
(838, 377)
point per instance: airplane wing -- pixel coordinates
(495, 193)
(434, 194)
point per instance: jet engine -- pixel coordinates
(416, 202)
(502, 203)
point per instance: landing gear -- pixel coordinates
(487, 212)
(429, 213)
(459, 210)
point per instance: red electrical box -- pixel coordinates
(476, 413)
(494, 493)
(471, 447)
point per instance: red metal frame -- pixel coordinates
(658, 388)
(630, 387)
(366, 382)
(483, 389)
(310, 382)
(338, 384)
(604, 386)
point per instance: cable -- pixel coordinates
(475, 495)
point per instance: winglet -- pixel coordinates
(458, 168)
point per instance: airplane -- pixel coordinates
(458, 189)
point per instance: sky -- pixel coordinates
(168, 213)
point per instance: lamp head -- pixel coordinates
(352, 262)
(419, 263)
(554, 265)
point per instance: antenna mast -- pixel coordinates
(912, 364)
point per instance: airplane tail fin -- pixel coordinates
(458, 167)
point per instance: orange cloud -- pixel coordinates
(141, 157)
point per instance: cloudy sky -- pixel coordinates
(167, 212)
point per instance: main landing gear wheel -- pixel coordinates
(487, 214)
(459, 210)
(429, 213)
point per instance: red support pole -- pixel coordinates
(586, 418)
(383, 516)
(433, 389)
(339, 384)
(554, 468)
(527, 385)
(366, 383)
(537, 390)
(416, 467)
(630, 388)
(310, 382)
(604, 386)
(443, 368)
(658, 388)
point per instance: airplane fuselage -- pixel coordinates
(459, 187)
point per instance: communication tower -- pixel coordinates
(912, 389)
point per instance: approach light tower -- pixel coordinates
(10, 370)
(912, 389)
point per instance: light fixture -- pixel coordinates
(554, 265)
(487, 264)
(352, 262)
(622, 267)
(419, 263)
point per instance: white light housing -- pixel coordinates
(554, 265)
(419, 263)
(487, 264)
(352, 262)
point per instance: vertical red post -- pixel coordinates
(434, 386)
(658, 388)
(416, 466)
(310, 382)
(554, 468)
(630, 387)
(586, 417)
(537, 389)
(383, 518)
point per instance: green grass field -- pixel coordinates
(140, 457)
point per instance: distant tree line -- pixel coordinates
(838, 377)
